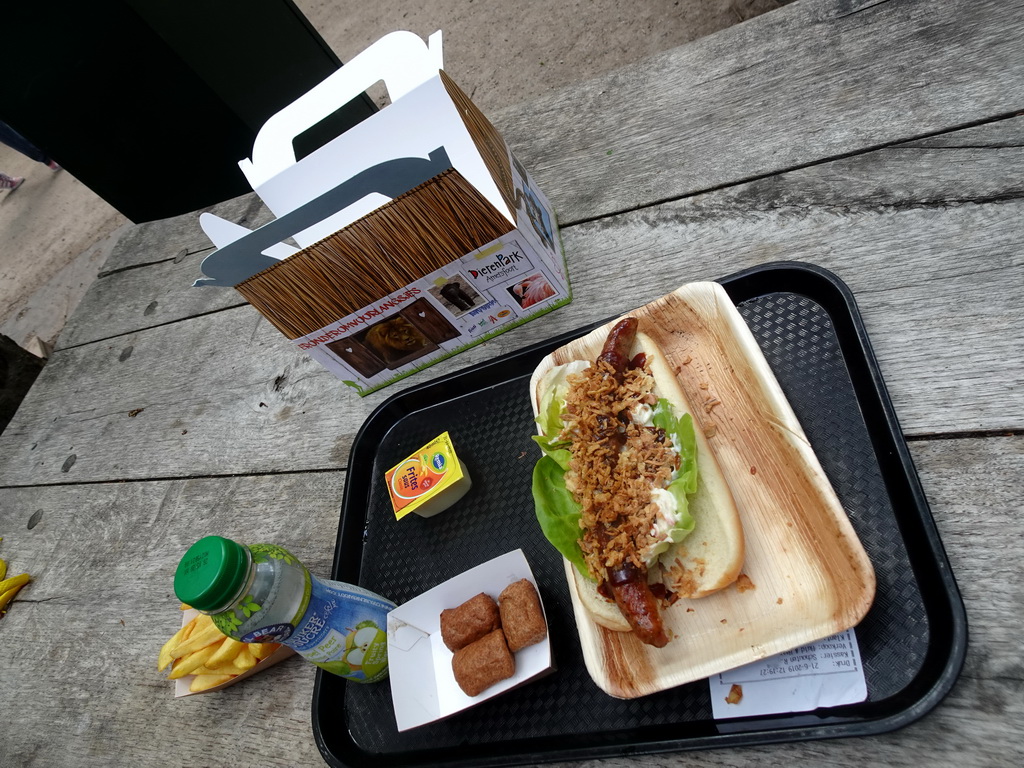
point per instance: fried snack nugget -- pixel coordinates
(483, 663)
(469, 622)
(522, 617)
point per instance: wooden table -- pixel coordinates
(881, 140)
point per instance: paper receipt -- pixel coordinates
(821, 674)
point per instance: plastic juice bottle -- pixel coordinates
(262, 594)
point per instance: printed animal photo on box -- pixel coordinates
(457, 295)
(527, 200)
(532, 290)
(408, 335)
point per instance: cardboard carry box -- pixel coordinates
(419, 233)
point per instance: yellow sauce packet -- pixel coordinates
(429, 481)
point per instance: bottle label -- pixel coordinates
(339, 627)
(271, 619)
(344, 631)
(275, 633)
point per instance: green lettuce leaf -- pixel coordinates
(558, 450)
(557, 511)
(680, 431)
(549, 416)
(552, 402)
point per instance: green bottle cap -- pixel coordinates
(211, 573)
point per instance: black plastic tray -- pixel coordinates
(912, 641)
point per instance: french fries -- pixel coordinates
(203, 651)
(9, 586)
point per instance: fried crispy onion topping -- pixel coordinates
(615, 463)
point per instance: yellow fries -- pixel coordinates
(227, 651)
(186, 665)
(201, 650)
(262, 650)
(199, 639)
(166, 653)
(244, 660)
(204, 682)
(9, 588)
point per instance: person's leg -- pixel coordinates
(17, 142)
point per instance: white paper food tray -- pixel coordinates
(423, 686)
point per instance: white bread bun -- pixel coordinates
(711, 556)
(602, 610)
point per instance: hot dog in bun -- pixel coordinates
(627, 490)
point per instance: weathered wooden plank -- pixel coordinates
(167, 239)
(200, 391)
(973, 165)
(622, 141)
(105, 554)
(939, 289)
(224, 393)
(143, 297)
(85, 632)
(976, 164)
(147, 280)
(999, 134)
(789, 88)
